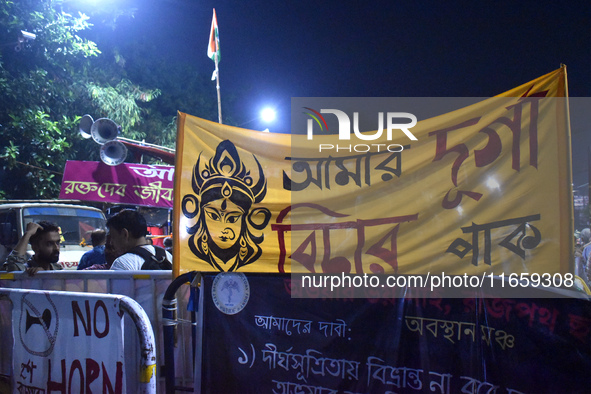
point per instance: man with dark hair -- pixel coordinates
(97, 255)
(127, 235)
(110, 256)
(45, 242)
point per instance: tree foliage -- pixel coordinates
(121, 101)
(38, 90)
(48, 83)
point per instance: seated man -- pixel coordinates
(127, 235)
(97, 255)
(45, 242)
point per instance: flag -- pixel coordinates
(214, 39)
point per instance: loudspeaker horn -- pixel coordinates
(104, 130)
(45, 318)
(85, 125)
(113, 153)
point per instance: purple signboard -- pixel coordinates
(136, 184)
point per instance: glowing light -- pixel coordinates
(268, 115)
(492, 183)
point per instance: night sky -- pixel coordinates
(273, 50)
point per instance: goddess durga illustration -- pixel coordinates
(227, 231)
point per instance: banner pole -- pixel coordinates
(217, 80)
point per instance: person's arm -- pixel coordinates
(14, 263)
(21, 247)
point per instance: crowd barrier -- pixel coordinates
(147, 288)
(62, 338)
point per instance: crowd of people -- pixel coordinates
(124, 245)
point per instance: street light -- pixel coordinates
(268, 115)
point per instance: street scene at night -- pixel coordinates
(295, 197)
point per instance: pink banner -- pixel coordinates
(136, 184)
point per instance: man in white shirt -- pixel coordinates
(127, 235)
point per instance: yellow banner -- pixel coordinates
(486, 188)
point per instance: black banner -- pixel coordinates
(257, 339)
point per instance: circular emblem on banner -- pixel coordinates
(230, 292)
(38, 324)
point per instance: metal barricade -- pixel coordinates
(145, 287)
(147, 355)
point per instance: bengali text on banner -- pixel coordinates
(135, 184)
(483, 188)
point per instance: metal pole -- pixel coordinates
(147, 343)
(217, 83)
(169, 321)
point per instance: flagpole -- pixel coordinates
(213, 52)
(217, 86)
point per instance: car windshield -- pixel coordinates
(76, 224)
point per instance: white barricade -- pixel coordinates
(72, 341)
(147, 288)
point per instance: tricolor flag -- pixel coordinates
(214, 39)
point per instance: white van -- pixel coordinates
(75, 221)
